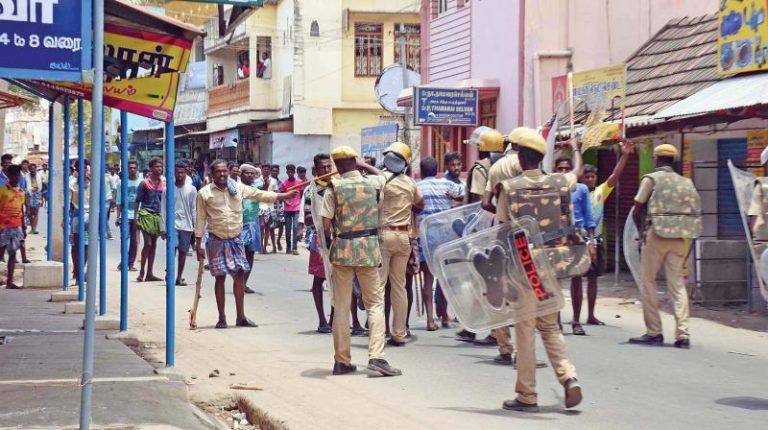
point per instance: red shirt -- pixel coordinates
(11, 206)
(294, 204)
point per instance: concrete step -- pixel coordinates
(43, 274)
(65, 296)
(106, 322)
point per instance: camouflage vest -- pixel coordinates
(548, 200)
(484, 165)
(356, 222)
(674, 209)
(761, 223)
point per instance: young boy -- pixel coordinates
(12, 228)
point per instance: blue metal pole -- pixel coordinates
(97, 140)
(102, 225)
(80, 200)
(170, 244)
(124, 231)
(51, 169)
(65, 172)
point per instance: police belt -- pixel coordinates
(358, 234)
(557, 234)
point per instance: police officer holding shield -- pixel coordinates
(667, 210)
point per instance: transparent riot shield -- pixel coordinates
(317, 203)
(743, 185)
(763, 270)
(632, 245)
(443, 227)
(498, 276)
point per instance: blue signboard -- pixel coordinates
(374, 140)
(45, 39)
(445, 106)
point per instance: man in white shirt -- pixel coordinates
(185, 213)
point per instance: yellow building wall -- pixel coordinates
(358, 89)
(349, 122)
(265, 94)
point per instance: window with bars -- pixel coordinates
(412, 45)
(442, 6)
(488, 113)
(368, 49)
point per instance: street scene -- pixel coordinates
(454, 214)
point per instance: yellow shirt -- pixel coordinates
(506, 168)
(502, 202)
(329, 198)
(224, 212)
(644, 191)
(756, 209)
(397, 198)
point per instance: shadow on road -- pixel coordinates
(538, 416)
(745, 402)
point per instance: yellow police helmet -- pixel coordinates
(515, 135)
(343, 152)
(532, 140)
(400, 149)
(665, 150)
(487, 139)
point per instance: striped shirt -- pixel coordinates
(435, 192)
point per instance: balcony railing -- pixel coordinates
(230, 96)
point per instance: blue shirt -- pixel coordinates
(582, 207)
(133, 186)
(435, 192)
(149, 199)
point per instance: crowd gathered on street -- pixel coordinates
(359, 221)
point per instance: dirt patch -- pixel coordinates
(239, 413)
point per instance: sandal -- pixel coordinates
(246, 323)
(577, 329)
(181, 282)
(152, 278)
(595, 321)
(432, 327)
(221, 324)
(140, 278)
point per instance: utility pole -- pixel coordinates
(404, 63)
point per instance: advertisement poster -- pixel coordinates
(147, 49)
(151, 97)
(45, 39)
(559, 91)
(446, 106)
(225, 139)
(603, 91)
(742, 36)
(757, 140)
(687, 161)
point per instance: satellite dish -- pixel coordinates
(389, 84)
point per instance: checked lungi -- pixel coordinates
(226, 256)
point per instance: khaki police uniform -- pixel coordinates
(398, 196)
(547, 325)
(351, 202)
(664, 246)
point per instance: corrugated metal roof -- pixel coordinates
(733, 93)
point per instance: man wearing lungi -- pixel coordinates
(220, 206)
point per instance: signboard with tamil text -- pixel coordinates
(374, 140)
(45, 39)
(446, 106)
(603, 91)
(742, 36)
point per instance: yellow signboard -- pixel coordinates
(757, 140)
(149, 50)
(742, 37)
(602, 90)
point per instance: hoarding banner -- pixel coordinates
(742, 37)
(225, 139)
(757, 141)
(147, 49)
(151, 97)
(446, 106)
(374, 140)
(45, 39)
(602, 90)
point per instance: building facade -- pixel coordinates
(26, 133)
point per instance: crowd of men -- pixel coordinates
(359, 220)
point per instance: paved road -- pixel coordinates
(718, 384)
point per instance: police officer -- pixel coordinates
(758, 208)
(514, 201)
(350, 211)
(673, 208)
(399, 197)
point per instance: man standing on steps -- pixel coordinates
(147, 206)
(184, 216)
(667, 210)
(251, 235)
(130, 206)
(350, 210)
(220, 205)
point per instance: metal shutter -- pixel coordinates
(629, 181)
(728, 220)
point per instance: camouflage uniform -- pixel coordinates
(674, 213)
(351, 203)
(759, 209)
(546, 198)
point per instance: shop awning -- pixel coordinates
(9, 100)
(487, 89)
(726, 95)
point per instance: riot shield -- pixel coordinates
(632, 245)
(317, 203)
(743, 185)
(763, 270)
(443, 227)
(498, 276)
